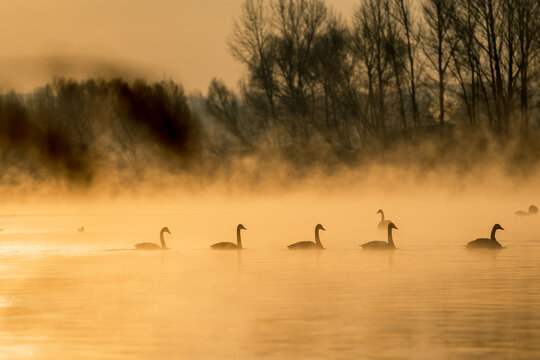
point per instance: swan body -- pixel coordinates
(532, 210)
(152, 246)
(383, 224)
(309, 245)
(229, 245)
(382, 245)
(484, 243)
(304, 245)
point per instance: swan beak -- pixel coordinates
(502, 228)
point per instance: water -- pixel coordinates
(65, 294)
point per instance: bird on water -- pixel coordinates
(229, 245)
(152, 246)
(382, 245)
(383, 224)
(532, 210)
(309, 245)
(484, 243)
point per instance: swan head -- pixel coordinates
(392, 226)
(379, 211)
(240, 227)
(319, 227)
(497, 227)
(165, 229)
(533, 209)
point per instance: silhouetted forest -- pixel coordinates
(433, 83)
(77, 130)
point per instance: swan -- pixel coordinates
(383, 224)
(485, 243)
(309, 244)
(532, 210)
(382, 245)
(152, 246)
(81, 229)
(229, 245)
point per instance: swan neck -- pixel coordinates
(317, 239)
(238, 238)
(390, 238)
(492, 237)
(163, 246)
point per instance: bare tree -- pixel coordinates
(527, 29)
(252, 43)
(224, 106)
(438, 45)
(298, 23)
(405, 19)
(370, 37)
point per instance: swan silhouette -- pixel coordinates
(81, 229)
(309, 245)
(383, 224)
(532, 210)
(229, 245)
(152, 246)
(484, 243)
(382, 245)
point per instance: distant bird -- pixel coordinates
(81, 229)
(309, 245)
(382, 245)
(152, 246)
(230, 245)
(532, 210)
(383, 224)
(483, 243)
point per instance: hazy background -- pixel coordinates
(104, 129)
(184, 40)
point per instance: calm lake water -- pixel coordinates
(65, 294)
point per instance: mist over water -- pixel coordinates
(334, 118)
(90, 295)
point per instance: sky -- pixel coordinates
(185, 40)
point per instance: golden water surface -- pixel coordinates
(88, 295)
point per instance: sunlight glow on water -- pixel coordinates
(90, 295)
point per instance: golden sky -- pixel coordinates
(180, 39)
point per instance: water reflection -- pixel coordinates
(67, 296)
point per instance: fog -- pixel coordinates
(334, 118)
(124, 159)
(89, 295)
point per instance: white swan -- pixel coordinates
(152, 246)
(309, 244)
(229, 245)
(383, 224)
(382, 245)
(484, 243)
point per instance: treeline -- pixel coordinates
(394, 70)
(76, 130)
(433, 83)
